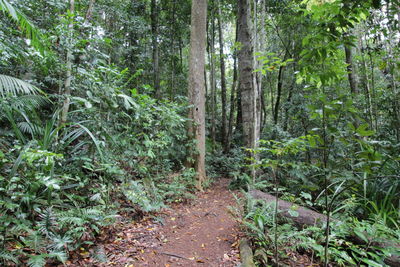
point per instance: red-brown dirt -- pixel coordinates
(201, 232)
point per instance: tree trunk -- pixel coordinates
(68, 79)
(248, 88)
(350, 69)
(259, 44)
(232, 105)
(224, 132)
(213, 82)
(278, 93)
(196, 88)
(172, 51)
(89, 12)
(154, 37)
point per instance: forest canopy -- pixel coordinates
(122, 109)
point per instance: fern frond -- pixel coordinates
(48, 222)
(59, 255)
(37, 260)
(6, 256)
(100, 254)
(59, 243)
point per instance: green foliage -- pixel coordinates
(24, 23)
(180, 186)
(258, 220)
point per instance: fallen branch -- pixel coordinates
(246, 254)
(309, 217)
(173, 255)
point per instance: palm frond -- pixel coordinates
(28, 102)
(31, 32)
(13, 86)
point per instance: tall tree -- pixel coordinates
(224, 131)
(213, 79)
(68, 78)
(154, 40)
(248, 89)
(196, 92)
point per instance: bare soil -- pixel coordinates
(201, 232)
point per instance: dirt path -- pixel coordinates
(199, 233)
(202, 233)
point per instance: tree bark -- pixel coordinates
(278, 94)
(172, 50)
(224, 132)
(68, 79)
(196, 90)
(248, 89)
(154, 37)
(350, 69)
(213, 81)
(259, 44)
(232, 105)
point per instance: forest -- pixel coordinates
(199, 133)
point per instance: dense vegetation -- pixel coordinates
(302, 100)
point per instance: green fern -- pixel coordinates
(6, 256)
(99, 254)
(13, 86)
(37, 260)
(59, 243)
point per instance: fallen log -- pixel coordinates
(246, 254)
(309, 217)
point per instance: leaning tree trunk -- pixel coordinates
(196, 90)
(68, 78)
(249, 94)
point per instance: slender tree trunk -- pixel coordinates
(89, 12)
(365, 81)
(224, 132)
(279, 92)
(350, 69)
(259, 44)
(196, 90)
(68, 79)
(248, 88)
(232, 106)
(172, 55)
(154, 37)
(213, 85)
